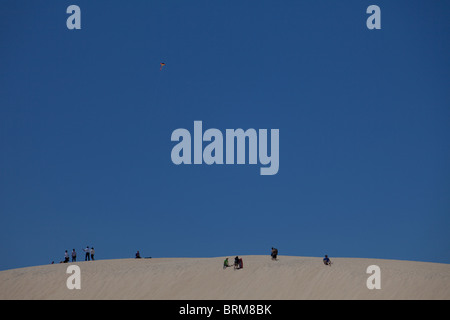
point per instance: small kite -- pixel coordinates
(162, 65)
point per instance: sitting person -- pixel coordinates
(66, 257)
(138, 255)
(326, 261)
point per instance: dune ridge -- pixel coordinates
(289, 278)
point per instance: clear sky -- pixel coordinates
(86, 118)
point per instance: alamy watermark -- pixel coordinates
(213, 152)
(74, 280)
(74, 20)
(374, 281)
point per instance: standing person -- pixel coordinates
(274, 253)
(92, 253)
(86, 257)
(66, 257)
(74, 255)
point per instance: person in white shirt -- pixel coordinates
(86, 257)
(92, 253)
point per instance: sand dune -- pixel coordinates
(204, 278)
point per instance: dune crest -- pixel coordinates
(289, 278)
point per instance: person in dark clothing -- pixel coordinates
(236, 262)
(326, 261)
(274, 253)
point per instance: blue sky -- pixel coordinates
(86, 118)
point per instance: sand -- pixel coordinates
(289, 278)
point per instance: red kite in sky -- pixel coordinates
(162, 65)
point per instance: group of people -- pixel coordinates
(238, 263)
(89, 255)
(274, 253)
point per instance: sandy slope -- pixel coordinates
(204, 278)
